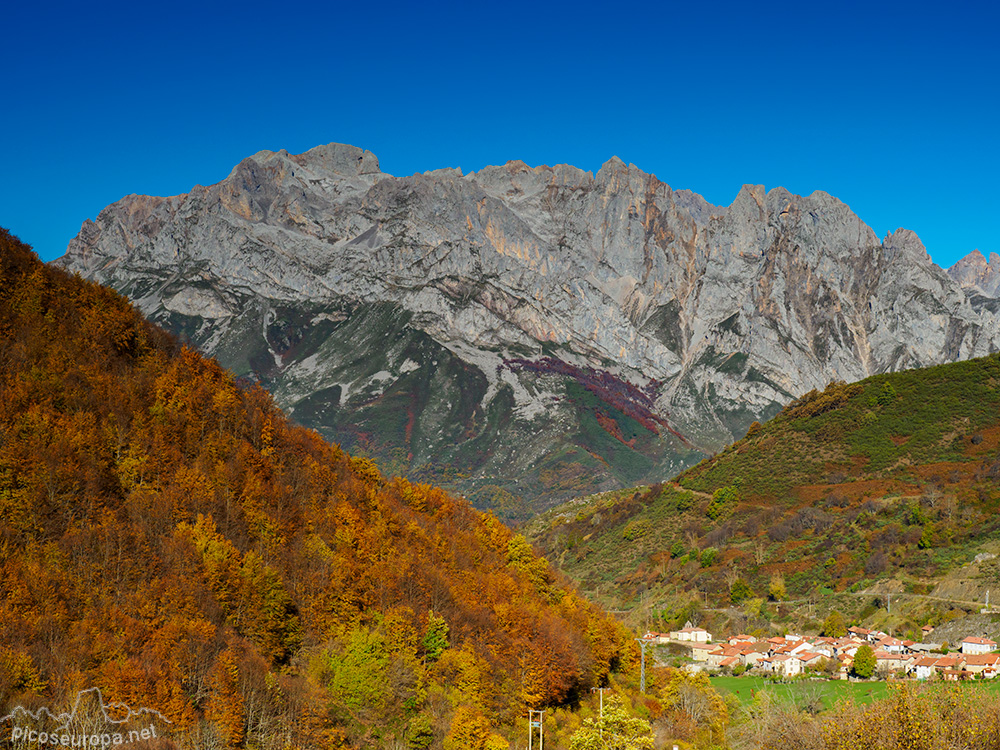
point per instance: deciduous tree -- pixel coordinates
(864, 662)
(616, 730)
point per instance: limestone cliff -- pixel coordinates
(527, 332)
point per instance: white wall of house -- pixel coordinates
(976, 648)
(792, 667)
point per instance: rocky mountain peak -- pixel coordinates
(535, 331)
(974, 271)
(613, 170)
(751, 200)
(341, 159)
(905, 243)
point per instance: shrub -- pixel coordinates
(926, 537)
(836, 500)
(719, 535)
(740, 591)
(723, 502)
(636, 529)
(780, 532)
(815, 403)
(875, 564)
(887, 395)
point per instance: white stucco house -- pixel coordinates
(689, 633)
(975, 645)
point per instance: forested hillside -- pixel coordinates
(170, 537)
(888, 486)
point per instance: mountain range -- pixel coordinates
(524, 335)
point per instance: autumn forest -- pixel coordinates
(170, 536)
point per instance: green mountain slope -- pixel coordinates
(886, 485)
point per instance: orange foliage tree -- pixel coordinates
(168, 535)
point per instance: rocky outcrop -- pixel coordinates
(395, 314)
(975, 272)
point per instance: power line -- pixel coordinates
(601, 720)
(533, 724)
(643, 642)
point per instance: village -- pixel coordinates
(789, 656)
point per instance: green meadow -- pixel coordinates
(826, 693)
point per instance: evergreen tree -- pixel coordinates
(435, 637)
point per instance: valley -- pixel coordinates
(726, 433)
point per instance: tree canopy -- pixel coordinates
(864, 662)
(616, 729)
(171, 537)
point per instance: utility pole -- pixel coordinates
(643, 642)
(600, 723)
(535, 723)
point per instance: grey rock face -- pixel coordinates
(529, 332)
(976, 273)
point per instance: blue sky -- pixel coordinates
(891, 107)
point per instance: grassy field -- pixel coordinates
(828, 692)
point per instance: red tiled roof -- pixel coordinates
(981, 660)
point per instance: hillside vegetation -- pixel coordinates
(886, 486)
(168, 536)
